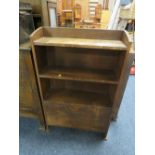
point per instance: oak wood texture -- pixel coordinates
(80, 80)
(78, 42)
(78, 12)
(106, 76)
(67, 4)
(98, 11)
(77, 97)
(78, 116)
(29, 102)
(126, 73)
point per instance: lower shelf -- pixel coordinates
(75, 109)
(78, 97)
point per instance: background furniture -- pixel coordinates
(29, 101)
(84, 8)
(36, 5)
(68, 13)
(26, 23)
(36, 11)
(106, 15)
(78, 12)
(26, 98)
(28, 91)
(78, 15)
(98, 12)
(80, 75)
(49, 12)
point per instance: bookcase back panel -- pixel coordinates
(86, 58)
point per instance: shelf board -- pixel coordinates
(77, 97)
(81, 43)
(98, 76)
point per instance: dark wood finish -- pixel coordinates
(80, 73)
(126, 73)
(106, 76)
(78, 42)
(78, 97)
(29, 102)
(36, 5)
(36, 11)
(77, 116)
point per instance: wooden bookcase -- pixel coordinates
(80, 73)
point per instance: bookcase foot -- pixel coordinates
(105, 138)
(42, 128)
(114, 119)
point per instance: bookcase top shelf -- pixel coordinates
(81, 38)
(81, 43)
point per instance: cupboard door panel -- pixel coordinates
(78, 116)
(28, 93)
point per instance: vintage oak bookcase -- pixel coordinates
(80, 74)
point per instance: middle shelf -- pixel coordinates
(62, 73)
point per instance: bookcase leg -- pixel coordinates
(114, 118)
(47, 129)
(42, 127)
(105, 138)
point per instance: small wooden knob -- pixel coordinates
(59, 75)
